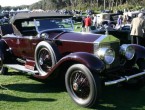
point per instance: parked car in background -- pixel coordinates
(133, 14)
(123, 34)
(4, 20)
(77, 18)
(45, 46)
(105, 18)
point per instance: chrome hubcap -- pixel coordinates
(75, 87)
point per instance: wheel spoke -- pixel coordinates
(45, 60)
(76, 77)
(80, 84)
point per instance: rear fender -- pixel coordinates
(89, 60)
(6, 52)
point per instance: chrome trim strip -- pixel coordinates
(100, 39)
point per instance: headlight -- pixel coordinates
(106, 54)
(128, 51)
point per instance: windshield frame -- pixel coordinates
(38, 20)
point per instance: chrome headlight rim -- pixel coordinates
(128, 51)
(106, 54)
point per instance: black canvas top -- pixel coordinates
(32, 15)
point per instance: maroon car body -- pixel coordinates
(45, 46)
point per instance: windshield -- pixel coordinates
(53, 23)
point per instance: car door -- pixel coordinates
(27, 45)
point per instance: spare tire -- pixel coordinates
(45, 57)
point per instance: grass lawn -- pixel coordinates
(20, 92)
(77, 27)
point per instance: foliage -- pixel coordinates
(83, 5)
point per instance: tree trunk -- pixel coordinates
(104, 4)
(97, 3)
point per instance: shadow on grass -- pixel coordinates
(34, 88)
(117, 98)
(11, 73)
(28, 88)
(40, 87)
(113, 98)
(10, 98)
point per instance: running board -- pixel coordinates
(20, 68)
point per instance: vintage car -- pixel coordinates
(123, 34)
(105, 18)
(133, 14)
(4, 19)
(45, 46)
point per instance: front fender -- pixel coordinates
(140, 56)
(139, 51)
(89, 60)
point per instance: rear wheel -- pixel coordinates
(44, 57)
(82, 86)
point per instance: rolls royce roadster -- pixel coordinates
(45, 46)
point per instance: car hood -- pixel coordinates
(87, 37)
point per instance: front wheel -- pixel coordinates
(82, 86)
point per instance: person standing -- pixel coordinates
(88, 23)
(125, 19)
(83, 24)
(94, 20)
(137, 30)
(119, 22)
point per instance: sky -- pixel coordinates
(16, 2)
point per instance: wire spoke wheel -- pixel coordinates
(82, 86)
(44, 58)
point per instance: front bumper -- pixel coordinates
(124, 78)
